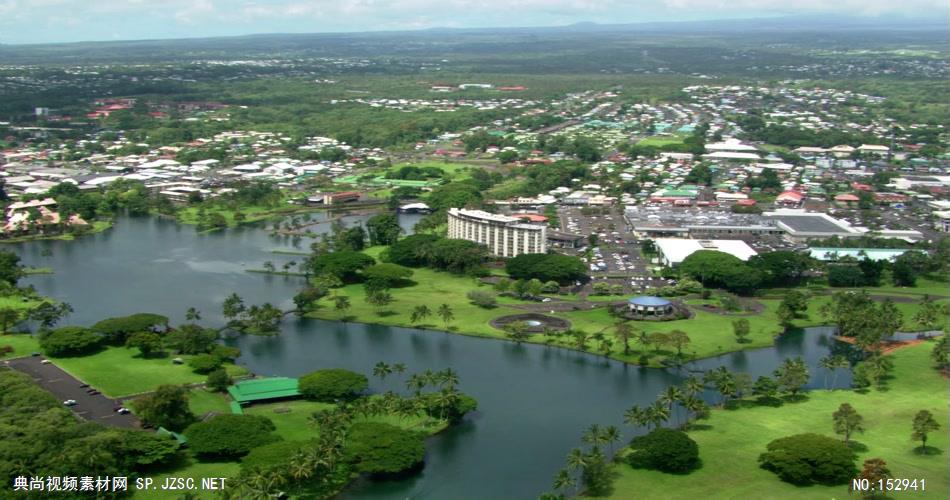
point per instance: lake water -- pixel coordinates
(534, 401)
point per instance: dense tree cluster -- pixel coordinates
(663, 449)
(229, 436)
(721, 270)
(383, 449)
(39, 437)
(546, 267)
(806, 459)
(332, 384)
(456, 256)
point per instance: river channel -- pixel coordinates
(534, 401)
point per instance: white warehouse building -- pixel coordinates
(504, 236)
(674, 251)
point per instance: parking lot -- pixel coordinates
(617, 252)
(92, 407)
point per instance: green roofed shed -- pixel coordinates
(261, 389)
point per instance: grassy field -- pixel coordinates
(731, 440)
(121, 371)
(658, 141)
(711, 334)
(291, 419)
(22, 344)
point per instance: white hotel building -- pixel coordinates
(504, 236)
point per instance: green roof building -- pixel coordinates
(261, 389)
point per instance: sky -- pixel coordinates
(45, 21)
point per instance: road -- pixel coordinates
(95, 408)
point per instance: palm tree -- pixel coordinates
(300, 466)
(692, 385)
(381, 369)
(399, 368)
(670, 396)
(445, 312)
(635, 416)
(838, 362)
(657, 413)
(828, 364)
(576, 459)
(419, 313)
(448, 377)
(416, 383)
(592, 436)
(192, 315)
(693, 405)
(563, 480)
(611, 435)
(341, 303)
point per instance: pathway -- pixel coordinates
(95, 408)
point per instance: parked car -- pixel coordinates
(123, 411)
(70, 402)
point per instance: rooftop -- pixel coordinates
(263, 389)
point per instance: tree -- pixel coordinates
(792, 375)
(192, 315)
(269, 266)
(445, 312)
(805, 459)
(929, 314)
(666, 450)
(412, 251)
(716, 269)
(595, 474)
(678, 339)
(420, 313)
(379, 298)
(546, 267)
(344, 265)
(9, 317)
(847, 421)
(341, 303)
(381, 370)
(10, 269)
(924, 424)
(657, 413)
(147, 343)
(796, 301)
(378, 448)
(941, 352)
(563, 481)
(624, 332)
(48, 314)
(116, 330)
(765, 388)
(69, 341)
(903, 274)
(306, 298)
(230, 436)
(517, 330)
(166, 407)
(205, 363)
(874, 471)
(740, 328)
(232, 307)
(383, 229)
(218, 380)
(332, 384)
(482, 298)
(191, 339)
(635, 416)
(385, 275)
(782, 268)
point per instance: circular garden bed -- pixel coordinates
(535, 323)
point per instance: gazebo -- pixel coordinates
(648, 305)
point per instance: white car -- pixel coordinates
(70, 402)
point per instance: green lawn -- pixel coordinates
(291, 425)
(710, 334)
(22, 344)
(661, 140)
(188, 467)
(730, 446)
(120, 371)
(203, 401)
